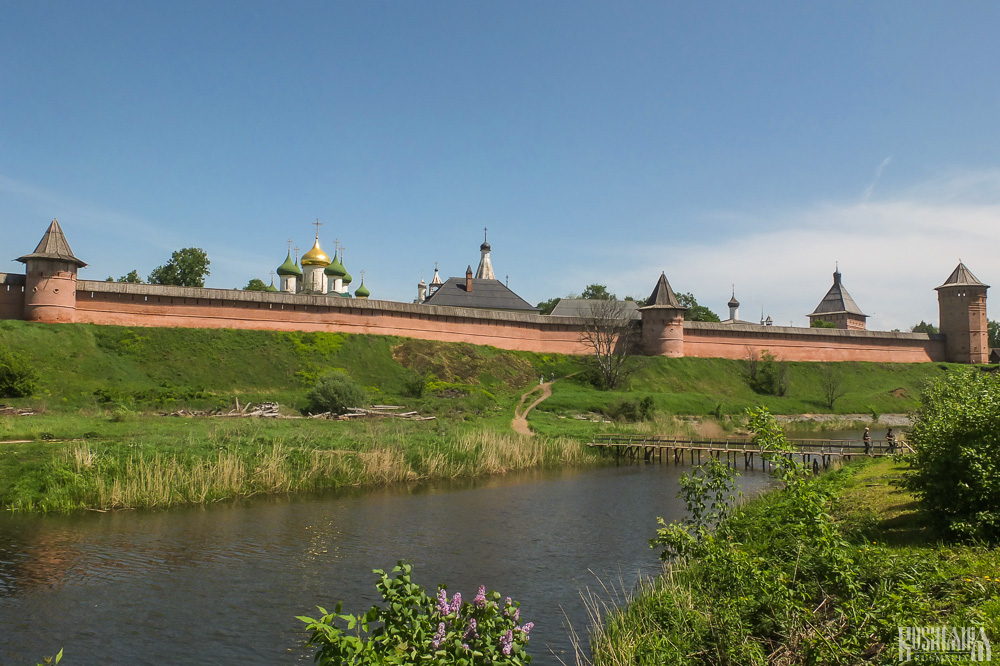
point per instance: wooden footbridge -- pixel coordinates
(812, 451)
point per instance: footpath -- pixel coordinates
(520, 422)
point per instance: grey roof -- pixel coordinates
(962, 277)
(663, 295)
(53, 246)
(489, 294)
(838, 301)
(583, 307)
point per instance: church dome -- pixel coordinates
(335, 269)
(485, 247)
(733, 303)
(315, 257)
(289, 267)
(362, 291)
(271, 287)
(346, 279)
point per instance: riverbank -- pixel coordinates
(825, 574)
(143, 462)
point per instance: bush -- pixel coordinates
(631, 410)
(416, 628)
(17, 378)
(335, 392)
(955, 470)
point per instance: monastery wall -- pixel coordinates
(124, 304)
(711, 340)
(11, 296)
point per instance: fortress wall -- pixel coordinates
(146, 305)
(710, 340)
(11, 296)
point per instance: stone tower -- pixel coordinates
(663, 322)
(838, 308)
(50, 279)
(962, 310)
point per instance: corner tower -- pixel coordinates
(962, 311)
(663, 322)
(50, 279)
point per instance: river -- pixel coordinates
(223, 584)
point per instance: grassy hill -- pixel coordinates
(86, 367)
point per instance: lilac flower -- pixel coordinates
(507, 642)
(442, 602)
(526, 629)
(438, 637)
(471, 631)
(480, 600)
(456, 603)
(465, 646)
(517, 615)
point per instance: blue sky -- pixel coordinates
(754, 144)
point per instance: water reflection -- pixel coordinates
(223, 584)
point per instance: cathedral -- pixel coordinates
(317, 273)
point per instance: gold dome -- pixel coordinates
(315, 257)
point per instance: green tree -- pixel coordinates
(187, 268)
(546, 307)
(695, 312)
(924, 327)
(821, 323)
(132, 277)
(335, 392)
(255, 284)
(956, 437)
(17, 378)
(993, 333)
(597, 292)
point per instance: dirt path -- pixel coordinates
(520, 422)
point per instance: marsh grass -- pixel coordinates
(218, 460)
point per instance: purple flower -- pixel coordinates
(438, 637)
(456, 603)
(526, 629)
(517, 615)
(442, 602)
(471, 631)
(480, 600)
(507, 642)
(465, 646)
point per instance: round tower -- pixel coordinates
(962, 312)
(50, 279)
(663, 322)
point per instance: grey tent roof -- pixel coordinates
(838, 301)
(53, 246)
(663, 295)
(583, 307)
(489, 294)
(962, 277)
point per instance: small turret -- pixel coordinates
(50, 279)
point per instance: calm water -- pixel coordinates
(223, 584)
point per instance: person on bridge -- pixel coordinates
(890, 440)
(867, 439)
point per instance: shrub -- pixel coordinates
(415, 628)
(17, 378)
(631, 410)
(955, 470)
(335, 392)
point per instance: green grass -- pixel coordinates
(785, 585)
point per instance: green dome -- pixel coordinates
(335, 269)
(347, 277)
(271, 287)
(289, 267)
(362, 291)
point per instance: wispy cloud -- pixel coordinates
(870, 190)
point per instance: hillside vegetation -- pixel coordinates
(86, 367)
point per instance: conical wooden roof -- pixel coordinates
(663, 296)
(53, 246)
(837, 300)
(962, 277)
